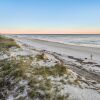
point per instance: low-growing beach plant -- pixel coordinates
(40, 56)
(6, 43)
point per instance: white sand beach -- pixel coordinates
(70, 54)
(71, 50)
(82, 80)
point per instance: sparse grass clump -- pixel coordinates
(2, 37)
(10, 74)
(6, 43)
(40, 56)
(58, 69)
(11, 68)
(13, 71)
(32, 94)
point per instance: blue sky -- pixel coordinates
(49, 15)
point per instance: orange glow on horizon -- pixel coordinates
(48, 31)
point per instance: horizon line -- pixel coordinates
(49, 33)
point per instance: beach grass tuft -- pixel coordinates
(6, 43)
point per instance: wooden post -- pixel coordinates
(91, 56)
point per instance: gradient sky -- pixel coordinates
(50, 16)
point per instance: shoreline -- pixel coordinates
(66, 49)
(69, 55)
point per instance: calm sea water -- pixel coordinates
(83, 40)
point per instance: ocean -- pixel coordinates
(90, 40)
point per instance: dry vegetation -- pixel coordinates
(23, 78)
(13, 71)
(6, 43)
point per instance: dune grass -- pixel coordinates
(6, 43)
(15, 70)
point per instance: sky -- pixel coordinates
(50, 16)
